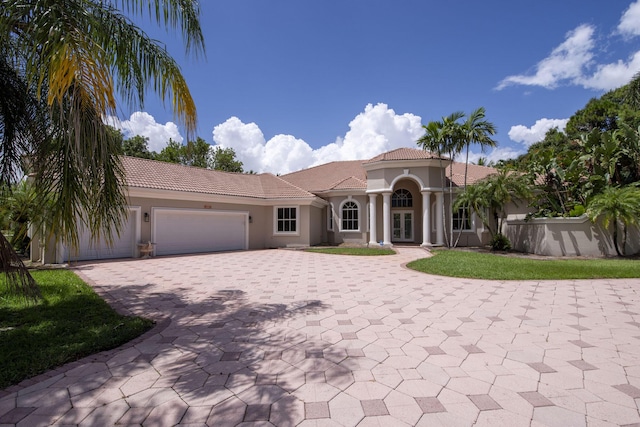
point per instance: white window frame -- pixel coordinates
(358, 212)
(276, 220)
(470, 217)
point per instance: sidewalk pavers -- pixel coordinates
(289, 338)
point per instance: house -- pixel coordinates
(398, 197)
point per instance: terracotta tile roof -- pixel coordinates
(404, 153)
(474, 173)
(328, 176)
(143, 173)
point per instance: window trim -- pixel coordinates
(358, 211)
(408, 198)
(276, 219)
(470, 218)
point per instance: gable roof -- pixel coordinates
(152, 174)
(341, 175)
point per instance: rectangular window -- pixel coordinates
(462, 219)
(287, 220)
(330, 217)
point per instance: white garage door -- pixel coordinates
(124, 246)
(188, 231)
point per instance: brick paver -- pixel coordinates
(286, 338)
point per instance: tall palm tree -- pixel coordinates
(619, 206)
(475, 130)
(70, 59)
(433, 141)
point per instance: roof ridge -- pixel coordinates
(182, 165)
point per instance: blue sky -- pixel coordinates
(290, 83)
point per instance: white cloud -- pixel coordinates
(566, 62)
(377, 129)
(142, 123)
(535, 133)
(611, 76)
(629, 25)
(496, 154)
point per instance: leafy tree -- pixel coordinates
(606, 113)
(197, 153)
(224, 159)
(63, 62)
(137, 146)
(172, 153)
(619, 206)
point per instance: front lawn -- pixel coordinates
(353, 251)
(70, 322)
(491, 266)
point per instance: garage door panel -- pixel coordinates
(191, 231)
(123, 247)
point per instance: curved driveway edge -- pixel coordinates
(286, 338)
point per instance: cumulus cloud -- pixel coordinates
(496, 154)
(611, 76)
(535, 133)
(566, 62)
(142, 123)
(377, 129)
(629, 25)
(574, 63)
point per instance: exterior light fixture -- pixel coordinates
(146, 217)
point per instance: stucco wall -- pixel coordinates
(565, 237)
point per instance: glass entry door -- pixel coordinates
(402, 226)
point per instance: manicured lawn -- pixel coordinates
(70, 322)
(353, 251)
(490, 266)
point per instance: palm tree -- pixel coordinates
(475, 130)
(619, 206)
(433, 141)
(66, 61)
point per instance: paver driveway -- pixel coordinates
(293, 338)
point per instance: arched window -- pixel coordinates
(401, 198)
(350, 216)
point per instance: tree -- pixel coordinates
(619, 206)
(137, 146)
(475, 130)
(64, 62)
(433, 140)
(197, 153)
(172, 153)
(224, 159)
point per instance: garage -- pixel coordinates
(125, 246)
(188, 231)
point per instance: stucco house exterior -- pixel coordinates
(397, 197)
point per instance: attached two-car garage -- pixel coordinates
(174, 231)
(187, 231)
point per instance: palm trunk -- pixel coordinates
(615, 238)
(18, 279)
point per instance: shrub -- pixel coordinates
(500, 242)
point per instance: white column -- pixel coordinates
(439, 213)
(426, 218)
(373, 238)
(386, 217)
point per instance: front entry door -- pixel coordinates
(403, 226)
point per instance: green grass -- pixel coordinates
(490, 266)
(353, 251)
(70, 322)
